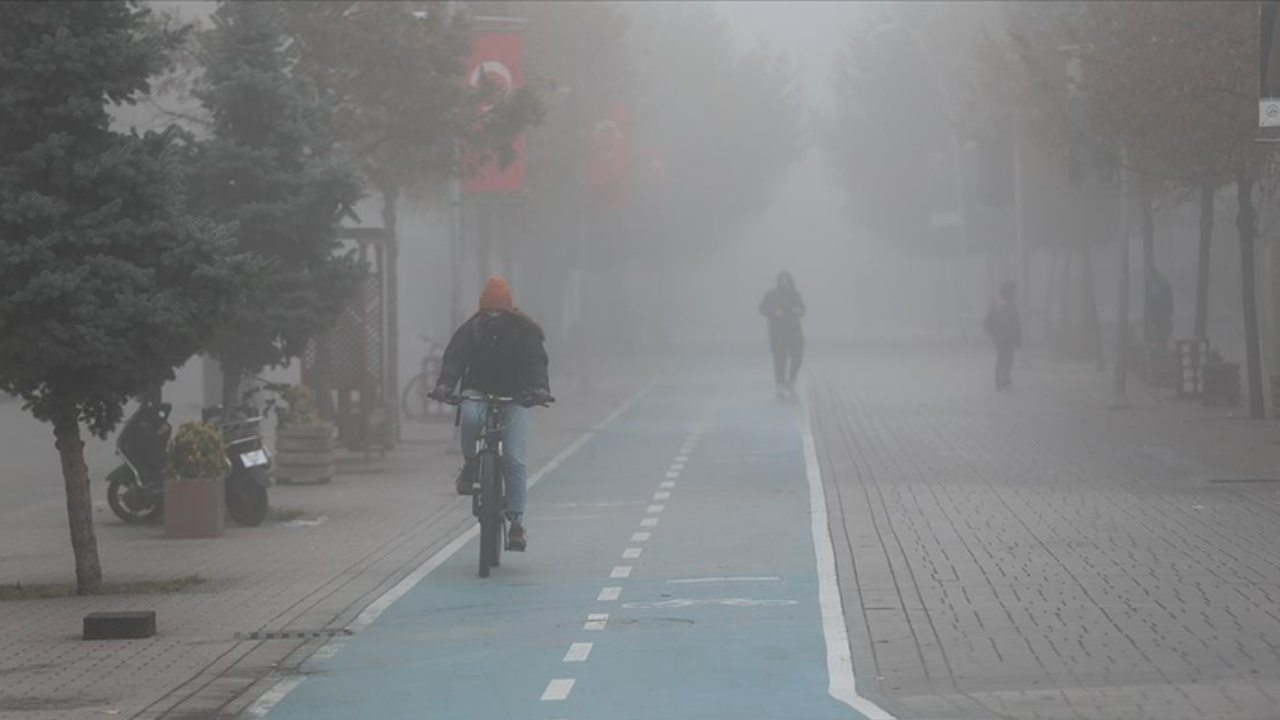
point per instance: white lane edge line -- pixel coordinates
(621, 571)
(667, 485)
(656, 508)
(558, 689)
(631, 553)
(649, 522)
(673, 474)
(841, 682)
(683, 458)
(609, 594)
(578, 652)
(662, 495)
(641, 537)
(277, 693)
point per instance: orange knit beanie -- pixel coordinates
(496, 295)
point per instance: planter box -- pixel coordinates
(304, 454)
(194, 508)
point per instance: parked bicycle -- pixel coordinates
(488, 502)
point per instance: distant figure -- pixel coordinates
(1159, 310)
(784, 308)
(1005, 328)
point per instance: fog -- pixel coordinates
(858, 285)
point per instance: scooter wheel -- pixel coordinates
(126, 499)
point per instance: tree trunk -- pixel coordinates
(75, 476)
(231, 379)
(1247, 226)
(1148, 254)
(1092, 319)
(391, 292)
(1208, 189)
(1120, 399)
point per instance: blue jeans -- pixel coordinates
(515, 440)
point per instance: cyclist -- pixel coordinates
(498, 351)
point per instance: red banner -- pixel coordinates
(499, 57)
(610, 156)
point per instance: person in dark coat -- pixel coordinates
(784, 308)
(498, 351)
(1005, 328)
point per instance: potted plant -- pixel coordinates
(304, 442)
(194, 488)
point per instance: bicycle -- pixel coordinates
(488, 500)
(415, 400)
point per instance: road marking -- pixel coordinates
(841, 684)
(558, 689)
(596, 621)
(682, 458)
(578, 652)
(662, 495)
(649, 522)
(277, 693)
(631, 553)
(622, 571)
(656, 508)
(641, 537)
(728, 602)
(673, 474)
(667, 485)
(726, 579)
(677, 467)
(609, 594)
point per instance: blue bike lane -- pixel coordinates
(672, 574)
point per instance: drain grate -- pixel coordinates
(294, 634)
(1243, 481)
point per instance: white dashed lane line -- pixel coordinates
(558, 689)
(578, 652)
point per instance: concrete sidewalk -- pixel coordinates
(357, 538)
(1036, 555)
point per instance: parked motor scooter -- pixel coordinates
(135, 490)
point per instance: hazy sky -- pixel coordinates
(805, 230)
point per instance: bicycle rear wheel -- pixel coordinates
(413, 401)
(490, 513)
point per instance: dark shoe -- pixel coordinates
(466, 483)
(516, 541)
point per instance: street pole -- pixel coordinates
(1120, 397)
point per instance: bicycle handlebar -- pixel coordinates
(490, 399)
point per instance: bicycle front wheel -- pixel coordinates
(490, 513)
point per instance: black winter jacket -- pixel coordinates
(498, 353)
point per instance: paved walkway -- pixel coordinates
(1034, 555)
(307, 576)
